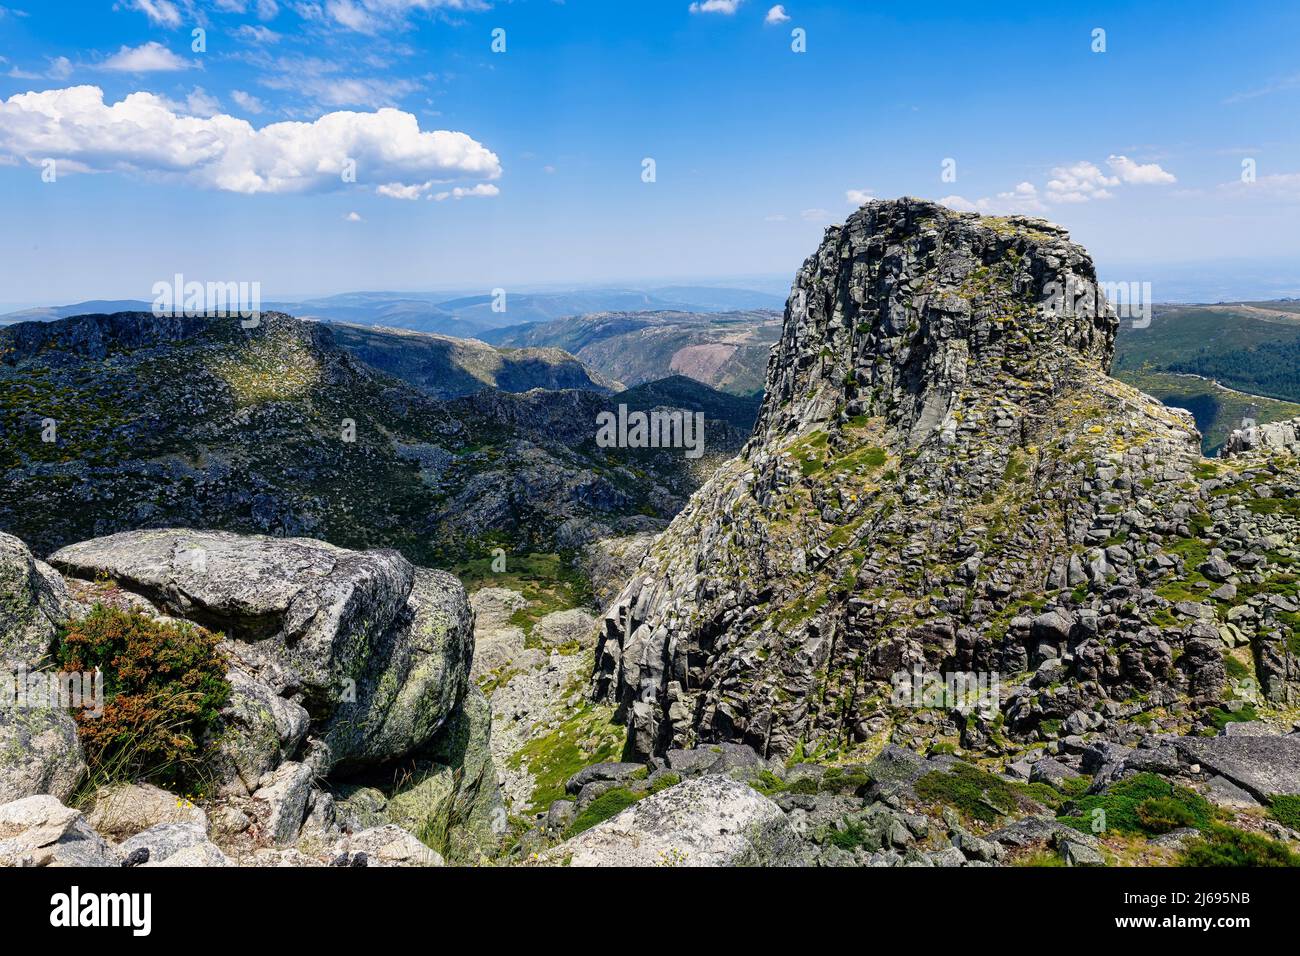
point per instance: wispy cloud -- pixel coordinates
(372, 16)
(1279, 85)
(725, 7)
(161, 13)
(247, 102)
(256, 33)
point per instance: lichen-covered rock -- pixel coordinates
(447, 792)
(285, 792)
(174, 844)
(40, 831)
(40, 753)
(373, 653)
(39, 749)
(387, 845)
(33, 604)
(708, 821)
(123, 810)
(573, 628)
(944, 479)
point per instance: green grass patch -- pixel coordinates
(609, 804)
(587, 737)
(1228, 846)
(1286, 811)
(1142, 804)
(973, 792)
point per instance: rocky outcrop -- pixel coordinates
(1272, 436)
(707, 821)
(340, 662)
(944, 479)
(33, 603)
(376, 653)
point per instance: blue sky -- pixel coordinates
(1137, 149)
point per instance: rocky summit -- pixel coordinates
(945, 480)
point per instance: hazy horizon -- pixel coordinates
(317, 148)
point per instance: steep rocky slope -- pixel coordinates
(944, 479)
(125, 421)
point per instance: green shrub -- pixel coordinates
(973, 792)
(164, 687)
(1286, 811)
(1141, 804)
(664, 782)
(1163, 814)
(804, 785)
(1228, 846)
(849, 837)
(767, 783)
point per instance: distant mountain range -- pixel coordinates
(465, 314)
(727, 350)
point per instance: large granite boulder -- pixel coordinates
(1264, 767)
(355, 656)
(40, 831)
(706, 821)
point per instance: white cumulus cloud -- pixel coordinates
(858, 197)
(143, 134)
(1021, 200)
(1080, 182)
(776, 15)
(482, 189)
(151, 57)
(1139, 174)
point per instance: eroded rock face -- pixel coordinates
(1280, 436)
(370, 652)
(943, 478)
(39, 749)
(33, 603)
